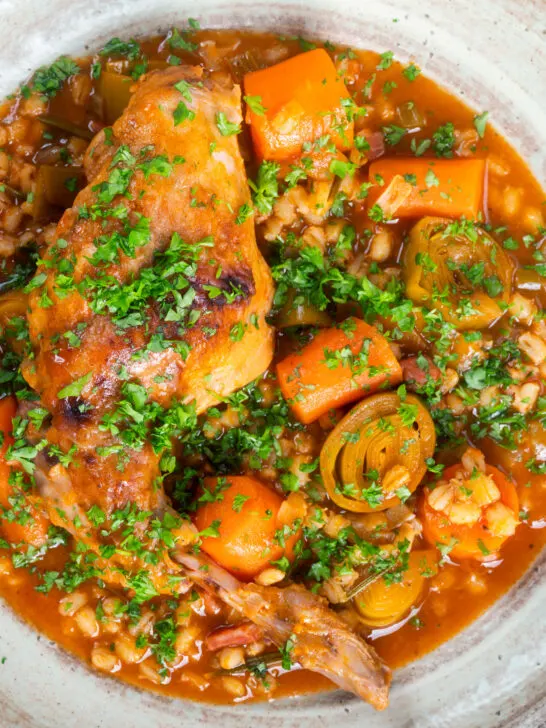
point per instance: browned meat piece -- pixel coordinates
(418, 370)
(149, 307)
(322, 642)
(154, 279)
(235, 635)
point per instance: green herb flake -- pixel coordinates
(393, 134)
(254, 103)
(75, 388)
(480, 123)
(385, 61)
(117, 47)
(226, 127)
(50, 79)
(182, 113)
(411, 72)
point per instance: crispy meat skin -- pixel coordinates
(199, 198)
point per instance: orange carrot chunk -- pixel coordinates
(241, 526)
(340, 365)
(296, 102)
(470, 515)
(447, 187)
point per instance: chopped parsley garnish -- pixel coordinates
(265, 189)
(443, 140)
(182, 113)
(411, 72)
(164, 649)
(393, 134)
(75, 388)
(142, 586)
(431, 180)
(50, 79)
(117, 47)
(385, 61)
(245, 211)
(480, 123)
(255, 104)
(342, 168)
(179, 40)
(226, 127)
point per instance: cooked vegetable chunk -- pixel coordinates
(241, 525)
(382, 603)
(298, 101)
(376, 456)
(472, 511)
(459, 269)
(436, 187)
(115, 92)
(338, 366)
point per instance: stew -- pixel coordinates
(273, 358)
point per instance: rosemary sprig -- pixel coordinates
(254, 664)
(363, 583)
(66, 126)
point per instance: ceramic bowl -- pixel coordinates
(492, 53)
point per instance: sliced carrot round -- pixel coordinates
(241, 527)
